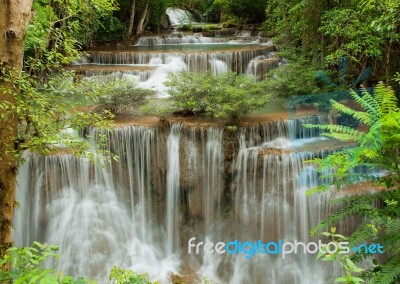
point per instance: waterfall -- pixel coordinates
(172, 214)
(118, 75)
(176, 38)
(260, 65)
(179, 17)
(213, 173)
(270, 203)
(270, 193)
(75, 207)
(236, 60)
(155, 61)
(288, 129)
(176, 182)
(98, 216)
(218, 66)
(252, 67)
(158, 77)
(153, 57)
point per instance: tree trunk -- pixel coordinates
(140, 25)
(131, 19)
(14, 18)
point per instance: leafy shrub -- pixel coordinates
(226, 95)
(122, 95)
(161, 112)
(46, 109)
(185, 27)
(294, 79)
(190, 90)
(126, 276)
(235, 96)
(26, 265)
(351, 270)
(111, 29)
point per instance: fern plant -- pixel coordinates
(376, 150)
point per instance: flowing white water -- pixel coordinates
(158, 77)
(155, 56)
(179, 17)
(173, 171)
(213, 170)
(176, 38)
(99, 217)
(236, 60)
(76, 208)
(252, 67)
(270, 203)
(168, 186)
(218, 66)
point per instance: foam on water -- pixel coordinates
(158, 77)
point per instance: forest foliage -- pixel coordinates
(368, 176)
(226, 96)
(366, 32)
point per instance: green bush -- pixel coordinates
(185, 27)
(122, 95)
(161, 112)
(190, 90)
(227, 95)
(26, 265)
(111, 29)
(126, 276)
(294, 79)
(235, 96)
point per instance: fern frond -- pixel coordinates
(386, 99)
(341, 107)
(390, 272)
(340, 136)
(355, 207)
(373, 139)
(368, 103)
(363, 117)
(359, 115)
(362, 233)
(338, 129)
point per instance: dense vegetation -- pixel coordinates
(228, 12)
(27, 265)
(226, 95)
(377, 151)
(320, 33)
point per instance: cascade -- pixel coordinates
(173, 172)
(236, 60)
(153, 57)
(179, 16)
(157, 78)
(175, 182)
(260, 65)
(177, 38)
(172, 184)
(218, 66)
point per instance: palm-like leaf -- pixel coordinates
(378, 148)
